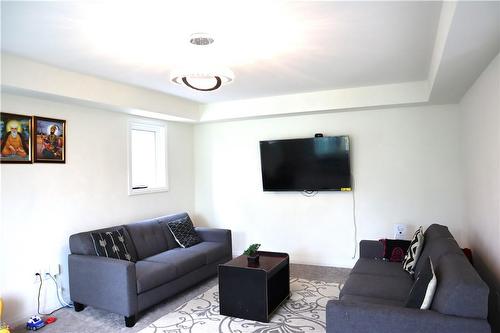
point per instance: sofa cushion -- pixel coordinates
(152, 274)
(183, 231)
(377, 286)
(423, 288)
(414, 250)
(81, 243)
(379, 267)
(395, 249)
(436, 248)
(148, 238)
(163, 221)
(112, 244)
(371, 300)
(460, 290)
(213, 251)
(184, 260)
(437, 231)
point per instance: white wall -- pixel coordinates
(480, 110)
(42, 204)
(406, 164)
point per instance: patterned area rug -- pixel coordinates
(303, 311)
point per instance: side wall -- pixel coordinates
(480, 109)
(42, 204)
(405, 161)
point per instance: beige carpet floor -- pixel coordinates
(93, 320)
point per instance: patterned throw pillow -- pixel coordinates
(395, 249)
(413, 252)
(184, 232)
(423, 288)
(112, 244)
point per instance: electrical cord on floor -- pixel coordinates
(38, 300)
(59, 296)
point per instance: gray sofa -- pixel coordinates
(373, 297)
(162, 268)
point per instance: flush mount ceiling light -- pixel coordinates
(200, 75)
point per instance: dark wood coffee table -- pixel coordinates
(254, 291)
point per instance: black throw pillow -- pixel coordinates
(112, 244)
(395, 249)
(423, 288)
(184, 232)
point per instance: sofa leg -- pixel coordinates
(130, 321)
(78, 306)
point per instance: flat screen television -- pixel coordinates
(312, 164)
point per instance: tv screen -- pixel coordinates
(314, 164)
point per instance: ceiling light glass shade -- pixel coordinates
(200, 73)
(202, 78)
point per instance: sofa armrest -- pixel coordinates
(213, 234)
(357, 317)
(105, 283)
(371, 249)
(216, 235)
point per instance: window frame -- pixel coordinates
(160, 130)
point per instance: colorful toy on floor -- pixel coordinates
(35, 323)
(4, 328)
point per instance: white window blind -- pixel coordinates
(147, 158)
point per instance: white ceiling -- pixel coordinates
(274, 48)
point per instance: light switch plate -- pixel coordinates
(400, 231)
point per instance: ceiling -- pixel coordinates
(274, 48)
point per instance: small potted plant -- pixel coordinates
(251, 252)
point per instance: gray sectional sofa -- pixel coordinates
(162, 268)
(373, 297)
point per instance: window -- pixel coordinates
(147, 158)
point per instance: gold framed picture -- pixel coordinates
(49, 140)
(15, 136)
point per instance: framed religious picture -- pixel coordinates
(49, 140)
(15, 136)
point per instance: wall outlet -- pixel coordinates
(36, 272)
(53, 269)
(400, 231)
